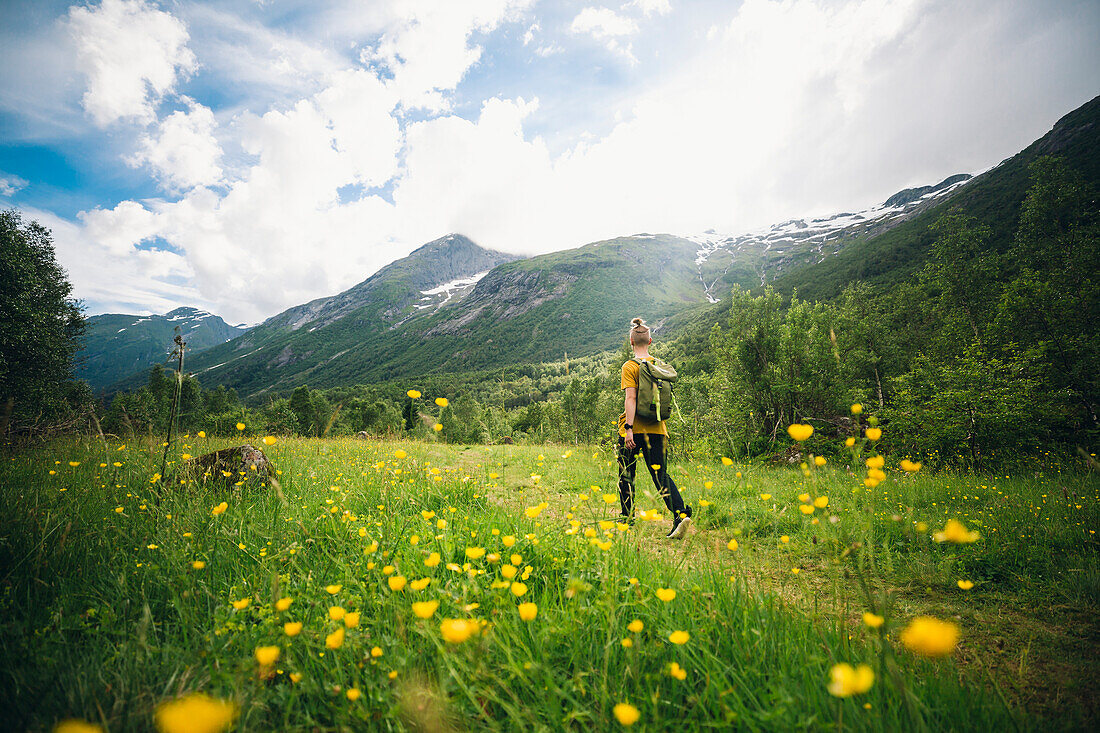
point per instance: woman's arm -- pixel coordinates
(631, 410)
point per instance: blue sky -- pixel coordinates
(244, 156)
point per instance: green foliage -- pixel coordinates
(40, 325)
(966, 410)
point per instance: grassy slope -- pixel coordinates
(106, 616)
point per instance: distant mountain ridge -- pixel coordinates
(117, 345)
(452, 305)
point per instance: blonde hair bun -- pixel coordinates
(637, 323)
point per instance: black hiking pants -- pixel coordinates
(652, 450)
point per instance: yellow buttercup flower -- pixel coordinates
(666, 594)
(353, 693)
(242, 604)
(528, 611)
(376, 651)
(509, 571)
(201, 434)
(219, 509)
(821, 502)
(956, 531)
(857, 408)
(849, 442)
(726, 461)
(414, 394)
(475, 553)
(195, 713)
(240, 426)
(846, 681)
(283, 604)
(676, 671)
(732, 545)
(874, 433)
(875, 462)
(72, 725)
(679, 637)
(519, 589)
(333, 589)
(396, 582)
(335, 640)
(508, 540)
(336, 613)
(626, 714)
(457, 630)
(351, 620)
(930, 637)
(425, 609)
(420, 584)
(532, 512)
(806, 508)
(270, 440)
(438, 427)
(765, 497)
(441, 401)
(432, 560)
(909, 466)
(873, 620)
(966, 584)
(198, 564)
(636, 625)
(800, 432)
(400, 454)
(266, 655)
(292, 628)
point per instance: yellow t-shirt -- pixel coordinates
(631, 372)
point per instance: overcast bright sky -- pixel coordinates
(244, 156)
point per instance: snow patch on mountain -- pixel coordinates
(771, 249)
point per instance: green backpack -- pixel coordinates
(655, 380)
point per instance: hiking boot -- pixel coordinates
(680, 525)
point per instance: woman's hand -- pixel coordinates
(629, 440)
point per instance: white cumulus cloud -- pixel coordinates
(11, 185)
(131, 54)
(428, 51)
(650, 7)
(184, 153)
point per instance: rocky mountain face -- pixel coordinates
(116, 346)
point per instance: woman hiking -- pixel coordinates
(638, 435)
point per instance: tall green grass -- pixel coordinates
(106, 616)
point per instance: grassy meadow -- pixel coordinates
(422, 586)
